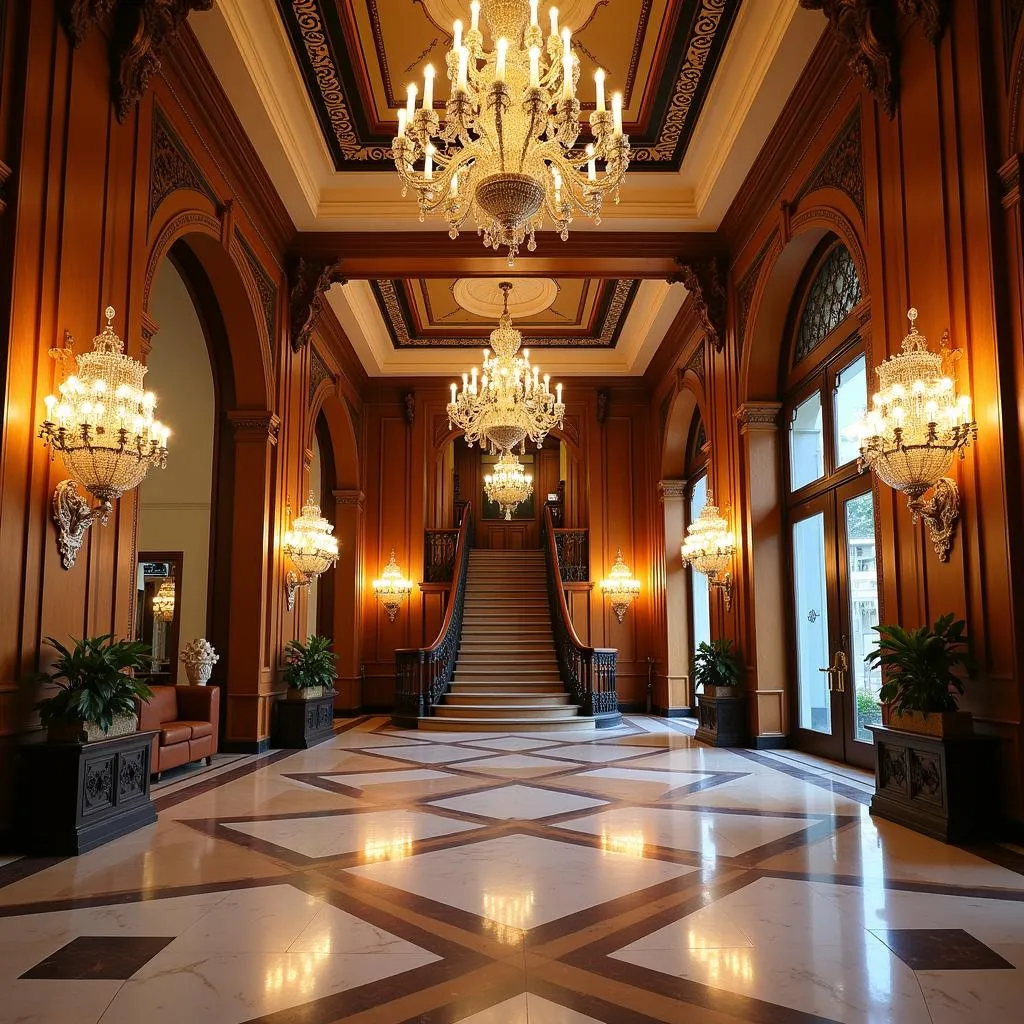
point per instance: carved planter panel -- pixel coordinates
(299, 724)
(722, 721)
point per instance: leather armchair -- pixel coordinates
(188, 722)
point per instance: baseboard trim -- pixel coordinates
(633, 707)
(770, 742)
(246, 746)
(674, 712)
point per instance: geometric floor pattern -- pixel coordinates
(389, 876)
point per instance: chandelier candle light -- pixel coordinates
(311, 546)
(620, 587)
(708, 548)
(509, 145)
(392, 588)
(163, 601)
(915, 427)
(508, 485)
(510, 401)
(102, 423)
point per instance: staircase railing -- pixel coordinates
(423, 674)
(588, 672)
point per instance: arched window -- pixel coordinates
(696, 494)
(833, 293)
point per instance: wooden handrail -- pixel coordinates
(563, 607)
(458, 575)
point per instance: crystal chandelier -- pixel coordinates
(511, 402)
(163, 601)
(103, 426)
(392, 588)
(620, 587)
(512, 122)
(915, 427)
(508, 485)
(708, 548)
(312, 547)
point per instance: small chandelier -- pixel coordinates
(512, 123)
(312, 547)
(508, 485)
(392, 588)
(163, 601)
(103, 426)
(511, 402)
(708, 548)
(915, 427)
(620, 587)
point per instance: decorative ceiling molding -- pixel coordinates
(309, 282)
(842, 166)
(171, 166)
(705, 281)
(612, 311)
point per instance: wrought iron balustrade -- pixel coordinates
(439, 555)
(588, 672)
(573, 550)
(423, 674)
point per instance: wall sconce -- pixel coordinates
(392, 588)
(915, 427)
(708, 547)
(620, 587)
(311, 546)
(103, 426)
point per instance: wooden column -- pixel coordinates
(348, 597)
(674, 697)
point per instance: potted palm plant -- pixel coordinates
(923, 670)
(306, 715)
(97, 689)
(721, 706)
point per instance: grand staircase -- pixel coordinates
(506, 676)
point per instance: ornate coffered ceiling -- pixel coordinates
(356, 57)
(460, 313)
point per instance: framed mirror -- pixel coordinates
(158, 610)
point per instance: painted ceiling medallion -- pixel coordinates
(484, 296)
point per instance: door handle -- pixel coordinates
(837, 672)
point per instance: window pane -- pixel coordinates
(809, 592)
(806, 452)
(862, 573)
(700, 600)
(851, 399)
(833, 294)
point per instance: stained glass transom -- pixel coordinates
(834, 291)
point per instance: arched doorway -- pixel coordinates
(829, 511)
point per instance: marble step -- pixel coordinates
(486, 659)
(520, 711)
(505, 685)
(570, 723)
(533, 699)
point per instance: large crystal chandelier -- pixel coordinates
(512, 123)
(104, 428)
(508, 484)
(511, 401)
(312, 547)
(708, 548)
(916, 425)
(163, 601)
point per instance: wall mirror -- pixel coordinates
(158, 610)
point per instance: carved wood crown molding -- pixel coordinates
(309, 281)
(141, 32)
(869, 32)
(758, 416)
(705, 281)
(255, 425)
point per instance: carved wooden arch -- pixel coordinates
(777, 279)
(688, 384)
(263, 328)
(203, 233)
(342, 430)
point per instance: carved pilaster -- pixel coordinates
(671, 490)
(78, 16)
(308, 283)
(705, 281)
(350, 498)
(758, 416)
(150, 328)
(602, 406)
(143, 29)
(409, 401)
(255, 425)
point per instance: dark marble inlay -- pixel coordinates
(942, 949)
(99, 957)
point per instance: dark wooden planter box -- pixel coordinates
(722, 721)
(946, 787)
(303, 722)
(77, 796)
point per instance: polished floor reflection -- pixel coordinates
(389, 876)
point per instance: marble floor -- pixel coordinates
(389, 876)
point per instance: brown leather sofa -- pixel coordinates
(188, 720)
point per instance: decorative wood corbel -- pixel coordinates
(705, 281)
(309, 282)
(78, 16)
(143, 29)
(932, 14)
(602, 406)
(409, 401)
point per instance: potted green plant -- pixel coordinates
(97, 689)
(721, 706)
(924, 672)
(310, 669)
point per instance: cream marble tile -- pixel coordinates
(712, 835)
(521, 881)
(543, 1011)
(333, 931)
(263, 793)
(515, 743)
(596, 753)
(389, 778)
(977, 997)
(517, 802)
(527, 1008)
(436, 753)
(511, 1011)
(701, 758)
(775, 793)
(629, 783)
(516, 764)
(49, 1002)
(381, 834)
